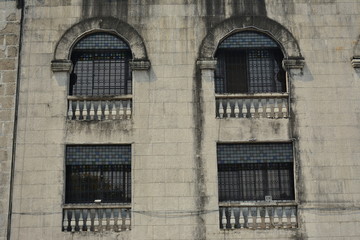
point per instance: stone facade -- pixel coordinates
(173, 129)
(9, 46)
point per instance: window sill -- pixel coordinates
(252, 95)
(95, 205)
(273, 203)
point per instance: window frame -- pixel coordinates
(127, 184)
(292, 177)
(126, 79)
(277, 53)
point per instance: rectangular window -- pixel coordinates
(252, 171)
(98, 172)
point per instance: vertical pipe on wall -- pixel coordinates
(19, 4)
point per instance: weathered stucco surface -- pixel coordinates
(174, 131)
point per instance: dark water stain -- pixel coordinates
(249, 8)
(105, 8)
(216, 10)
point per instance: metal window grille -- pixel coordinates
(249, 62)
(249, 172)
(101, 67)
(98, 172)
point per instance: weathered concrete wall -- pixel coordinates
(9, 37)
(174, 130)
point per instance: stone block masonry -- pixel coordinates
(175, 121)
(9, 46)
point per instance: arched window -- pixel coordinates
(249, 62)
(101, 66)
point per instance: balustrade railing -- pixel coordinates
(99, 108)
(96, 219)
(258, 217)
(272, 105)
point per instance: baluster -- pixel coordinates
(68, 216)
(113, 111)
(293, 217)
(276, 109)
(86, 220)
(241, 218)
(81, 109)
(270, 211)
(268, 108)
(284, 108)
(107, 219)
(223, 219)
(267, 217)
(236, 109)
(221, 109)
(123, 218)
(116, 218)
(100, 219)
(237, 215)
(250, 219)
(121, 110)
(228, 109)
(92, 219)
(64, 221)
(244, 109)
(245, 212)
(252, 108)
(78, 219)
(106, 111)
(72, 221)
(254, 214)
(96, 220)
(92, 111)
(98, 111)
(70, 111)
(128, 220)
(128, 110)
(262, 214)
(232, 218)
(279, 217)
(85, 112)
(67, 221)
(288, 217)
(260, 109)
(112, 219)
(77, 111)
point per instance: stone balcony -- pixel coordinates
(258, 216)
(99, 108)
(96, 218)
(257, 105)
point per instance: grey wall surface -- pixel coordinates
(173, 130)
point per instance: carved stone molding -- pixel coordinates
(262, 24)
(355, 62)
(293, 63)
(209, 64)
(101, 24)
(63, 65)
(140, 65)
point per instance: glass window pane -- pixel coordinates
(249, 172)
(98, 172)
